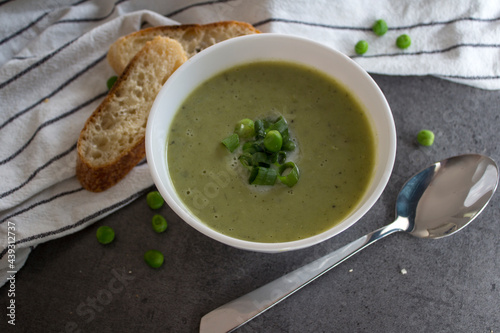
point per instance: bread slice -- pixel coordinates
(193, 39)
(112, 141)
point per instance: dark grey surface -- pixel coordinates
(75, 284)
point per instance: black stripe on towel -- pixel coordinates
(314, 24)
(41, 202)
(36, 64)
(79, 2)
(428, 24)
(82, 221)
(33, 175)
(5, 1)
(20, 31)
(50, 122)
(97, 19)
(340, 27)
(447, 49)
(58, 89)
(472, 77)
(199, 4)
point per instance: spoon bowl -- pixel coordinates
(436, 202)
(447, 196)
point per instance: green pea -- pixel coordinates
(111, 82)
(403, 41)
(154, 258)
(273, 141)
(159, 223)
(105, 234)
(425, 138)
(379, 27)
(154, 200)
(361, 47)
(245, 128)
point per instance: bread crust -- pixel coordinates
(193, 38)
(97, 178)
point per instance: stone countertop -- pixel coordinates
(399, 284)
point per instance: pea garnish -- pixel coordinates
(159, 223)
(264, 151)
(379, 27)
(425, 138)
(154, 258)
(273, 141)
(403, 41)
(245, 128)
(361, 47)
(154, 200)
(105, 234)
(111, 81)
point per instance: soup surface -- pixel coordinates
(335, 152)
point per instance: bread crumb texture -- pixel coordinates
(121, 120)
(118, 125)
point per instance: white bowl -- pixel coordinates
(246, 49)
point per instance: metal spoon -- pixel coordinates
(436, 202)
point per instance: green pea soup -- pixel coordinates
(335, 152)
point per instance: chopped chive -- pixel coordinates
(246, 161)
(288, 146)
(261, 159)
(278, 158)
(260, 130)
(248, 147)
(292, 177)
(279, 125)
(262, 176)
(231, 142)
(281, 157)
(252, 147)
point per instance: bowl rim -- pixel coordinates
(169, 193)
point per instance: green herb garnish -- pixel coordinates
(231, 142)
(264, 152)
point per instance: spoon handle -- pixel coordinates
(238, 312)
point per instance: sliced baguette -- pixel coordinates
(193, 39)
(112, 140)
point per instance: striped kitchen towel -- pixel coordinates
(53, 74)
